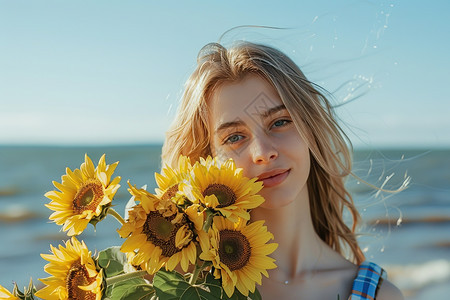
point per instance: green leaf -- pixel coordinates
(141, 292)
(238, 296)
(255, 296)
(171, 285)
(112, 261)
(107, 293)
(214, 285)
(136, 288)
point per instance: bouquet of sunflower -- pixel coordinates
(191, 239)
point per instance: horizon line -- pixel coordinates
(160, 144)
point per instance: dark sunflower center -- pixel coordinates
(234, 249)
(78, 275)
(161, 232)
(223, 193)
(171, 192)
(88, 197)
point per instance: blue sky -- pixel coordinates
(111, 72)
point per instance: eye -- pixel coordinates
(232, 139)
(281, 123)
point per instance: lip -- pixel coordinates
(274, 177)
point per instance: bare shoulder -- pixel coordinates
(389, 291)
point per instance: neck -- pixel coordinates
(299, 247)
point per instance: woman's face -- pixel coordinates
(250, 124)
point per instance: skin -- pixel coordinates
(250, 125)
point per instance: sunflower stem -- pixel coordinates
(197, 271)
(126, 276)
(116, 215)
(209, 218)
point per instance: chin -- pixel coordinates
(277, 197)
(275, 202)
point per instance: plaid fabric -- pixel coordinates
(366, 282)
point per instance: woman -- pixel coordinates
(253, 104)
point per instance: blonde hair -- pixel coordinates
(311, 113)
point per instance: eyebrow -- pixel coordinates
(272, 111)
(238, 122)
(227, 125)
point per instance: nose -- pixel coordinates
(263, 150)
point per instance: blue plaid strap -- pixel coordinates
(366, 283)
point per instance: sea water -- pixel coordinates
(407, 233)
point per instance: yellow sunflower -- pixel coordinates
(6, 295)
(223, 188)
(158, 234)
(74, 273)
(84, 195)
(169, 179)
(239, 253)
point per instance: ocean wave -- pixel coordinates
(18, 213)
(8, 191)
(414, 278)
(410, 220)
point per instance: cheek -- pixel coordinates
(220, 152)
(296, 146)
(216, 147)
(225, 153)
(304, 164)
(297, 150)
(239, 157)
(217, 151)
